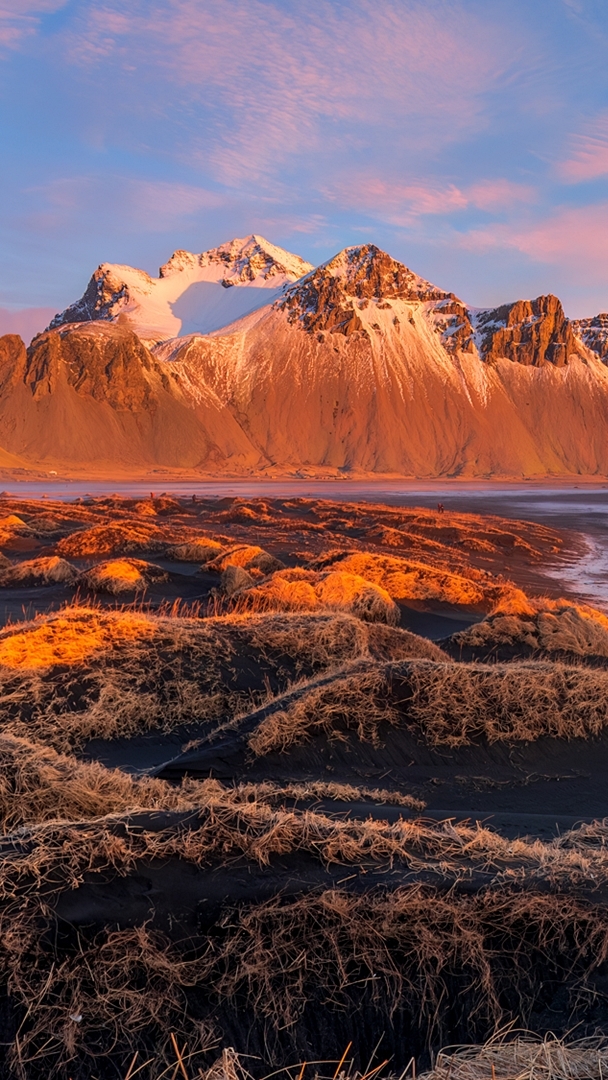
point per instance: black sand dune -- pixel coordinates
(285, 830)
(525, 739)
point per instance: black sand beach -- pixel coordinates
(283, 773)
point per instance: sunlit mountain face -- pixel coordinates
(246, 360)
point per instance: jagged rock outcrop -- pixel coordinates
(326, 298)
(190, 293)
(12, 352)
(594, 334)
(452, 320)
(529, 332)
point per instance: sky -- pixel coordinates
(468, 138)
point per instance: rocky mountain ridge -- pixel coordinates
(594, 334)
(189, 289)
(358, 367)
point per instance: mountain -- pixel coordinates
(364, 366)
(357, 367)
(192, 293)
(92, 396)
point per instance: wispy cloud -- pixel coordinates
(572, 238)
(157, 205)
(20, 19)
(403, 204)
(278, 85)
(588, 156)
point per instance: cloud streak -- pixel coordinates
(279, 86)
(571, 237)
(588, 158)
(20, 19)
(404, 204)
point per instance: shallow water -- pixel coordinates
(582, 509)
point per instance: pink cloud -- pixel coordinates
(499, 194)
(572, 237)
(589, 153)
(402, 204)
(399, 204)
(419, 71)
(18, 19)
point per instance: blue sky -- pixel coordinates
(469, 139)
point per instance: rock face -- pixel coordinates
(594, 334)
(529, 332)
(192, 292)
(358, 367)
(327, 297)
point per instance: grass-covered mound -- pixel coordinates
(117, 576)
(47, 570)
(557, 629)
(408, 580)
(442, 703)
(300, 589)
(87, 672)
(415, 929)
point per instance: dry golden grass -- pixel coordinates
(248, 556)
(39, 785)
(403, 947)
(118, 576)
(406, 579)
(313, 790)
(86, 673)
(523, 1058)
(307, 590)
(50, 570)
(198, 550)
(231, 823)
(545, 626)
(445, 703)
(116, 538)
(69, 637)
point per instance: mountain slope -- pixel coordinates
(363, 366)
(193, 293)
(94, 395)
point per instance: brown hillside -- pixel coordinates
(94, 393)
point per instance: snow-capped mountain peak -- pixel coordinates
(193, 293)
(246, 261)
(330, 297)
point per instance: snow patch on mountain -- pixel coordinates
(193, 293)
(594, 334)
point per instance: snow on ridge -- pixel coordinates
(193, 293)
(241, 261)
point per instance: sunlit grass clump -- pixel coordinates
(299, 589)
(539, 625)
(118, 576)
(69, 637)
